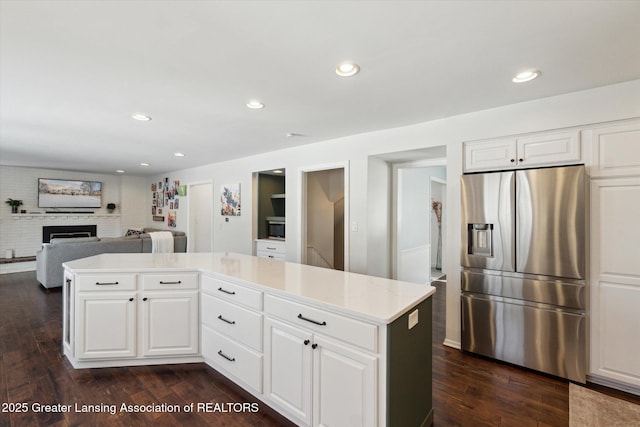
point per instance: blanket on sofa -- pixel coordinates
(161, 242)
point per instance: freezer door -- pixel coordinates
(487, 210)
(547, 340)
(550, 221)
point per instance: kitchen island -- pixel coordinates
(320, 346)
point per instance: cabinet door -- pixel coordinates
(106, 325)
(288, 368)
(616, 150)
(170, 323)
(344, 385)
(615, 280)
(549, 149)
(489, 155)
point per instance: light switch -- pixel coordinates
(413, 318)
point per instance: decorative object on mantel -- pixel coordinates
(111, 207)
(436, 206)
(14, 204)
(230, 200)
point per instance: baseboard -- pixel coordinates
(452, 344)
(17, 267)
(628, 388)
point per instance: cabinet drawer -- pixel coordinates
(233, 321)
(169, 281)
(279, 257)
(334, 325)
(107, 282)
(237, 294)
(270, 247)
(220, 351)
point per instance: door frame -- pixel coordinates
(302, 208)
(394, 203)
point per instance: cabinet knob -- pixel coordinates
(313, 346)
(130, 299)
(513, 160)
(521, 160)
(306, 342)
(144, 299)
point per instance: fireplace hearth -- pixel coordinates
(68, 231)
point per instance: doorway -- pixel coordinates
(419, 203)
(324, 242)
(200, 235)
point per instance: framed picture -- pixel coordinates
(171, 219)
(230, 200)
(158, 218)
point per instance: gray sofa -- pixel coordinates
(50, 257)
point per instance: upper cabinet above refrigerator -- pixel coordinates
(523, 151)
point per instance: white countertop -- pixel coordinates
(373, 298)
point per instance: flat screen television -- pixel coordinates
(62, 193)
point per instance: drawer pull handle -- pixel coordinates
(68, 282)
(231, 322)
(230, 359)
(170, 283)
(106, 283)
(226, 291)
(323, 323)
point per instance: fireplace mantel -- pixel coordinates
(44, 216)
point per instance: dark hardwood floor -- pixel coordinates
(467, 390)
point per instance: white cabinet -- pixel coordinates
(315, 378)
(128, 316)
(232, 338)
(170, 323)
(615, 150)
(104, 316)
(344, 385)
(273, 249)
(107, 325)
(541, 149)
(615, 282)
(288, 368)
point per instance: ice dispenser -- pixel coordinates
(480, 239)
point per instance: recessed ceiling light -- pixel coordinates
(526, 76)
(178, 154)
(278, 171)
(144, 164)
(141, 117)
(255, 105)
(347, 69)
(119, 171)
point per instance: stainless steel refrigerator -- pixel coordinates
(524, 291)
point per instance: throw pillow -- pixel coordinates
(133, 232)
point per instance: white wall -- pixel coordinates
(608, 103)
(23, 234)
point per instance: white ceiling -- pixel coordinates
(73, 72)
